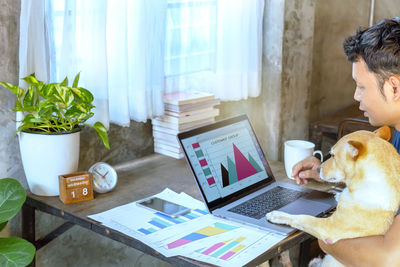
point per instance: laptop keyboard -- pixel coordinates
(271, 200)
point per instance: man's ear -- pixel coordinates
(394, 82)
(383, 132)
(354, 148)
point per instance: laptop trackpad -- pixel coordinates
(305, 206)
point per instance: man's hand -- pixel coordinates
(306, 169)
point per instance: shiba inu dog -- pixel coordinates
(370, 168)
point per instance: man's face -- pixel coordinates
(372, 102)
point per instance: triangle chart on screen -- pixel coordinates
(244, 168)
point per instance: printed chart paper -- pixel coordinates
(196, 235)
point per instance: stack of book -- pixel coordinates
(183, 111)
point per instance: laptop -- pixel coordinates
(236, 181)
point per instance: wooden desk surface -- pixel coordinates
(140, 179)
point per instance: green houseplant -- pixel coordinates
(14, 251)
(53, 115)
(54, 107)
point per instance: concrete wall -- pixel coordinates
(10, 163)
(332, 87)
(305, 76)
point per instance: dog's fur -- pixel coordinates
(370, 168)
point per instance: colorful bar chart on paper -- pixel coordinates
(241, 169)
(162, 221)
(224, 250)
(204, 164)
(215, 229)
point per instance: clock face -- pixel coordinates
(104, 177)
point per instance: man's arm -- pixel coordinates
(368, 251)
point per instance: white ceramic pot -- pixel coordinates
(45, 157)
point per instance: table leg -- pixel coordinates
(28, 226)
(305, 250)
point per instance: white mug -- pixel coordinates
(296, 151)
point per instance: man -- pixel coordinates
(375, 54)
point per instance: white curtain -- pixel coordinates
(34, 51)
(81, 47)
(136, 38)
(117, 46)
(33, 46)
(120, 49)
(239, 49)
(231, 30)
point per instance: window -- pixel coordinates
(190, 36)
(131, 52)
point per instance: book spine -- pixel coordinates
(168, 153)
(180, 120)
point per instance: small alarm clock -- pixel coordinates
(104, 177)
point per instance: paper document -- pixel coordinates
(197, 235)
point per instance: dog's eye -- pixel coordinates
(332, 155)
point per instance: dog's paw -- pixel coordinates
(278, 217)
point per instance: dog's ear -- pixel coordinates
(355, 148)
(383, 132)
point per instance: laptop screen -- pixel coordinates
(225, 158)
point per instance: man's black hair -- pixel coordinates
(378, 46)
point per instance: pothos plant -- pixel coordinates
(54, 108)
(14, 251)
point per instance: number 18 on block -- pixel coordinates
(76, 187)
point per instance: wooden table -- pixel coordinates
(136, 180)
(328, 126)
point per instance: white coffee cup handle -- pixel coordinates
(320, 153)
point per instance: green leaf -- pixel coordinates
(83, 94)
(76, 80)
(84, 107)
(26, 125)
(2, 225)
(46, 109)
(15, 251)
(101, 132)
(30, 118)
(18, 106)
(65, 82)
(64, 95)
(16, 90)
(12, 196)
(29, 97)
(31, 80)
(48, 90)
(79, 112)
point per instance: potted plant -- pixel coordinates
(53, 115)
(14, 251)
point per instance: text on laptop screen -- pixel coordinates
(225, 160)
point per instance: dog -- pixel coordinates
(369, 166)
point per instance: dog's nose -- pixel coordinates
(319, 169)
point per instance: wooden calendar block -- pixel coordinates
(76, 187)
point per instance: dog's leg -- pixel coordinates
(312, 225)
